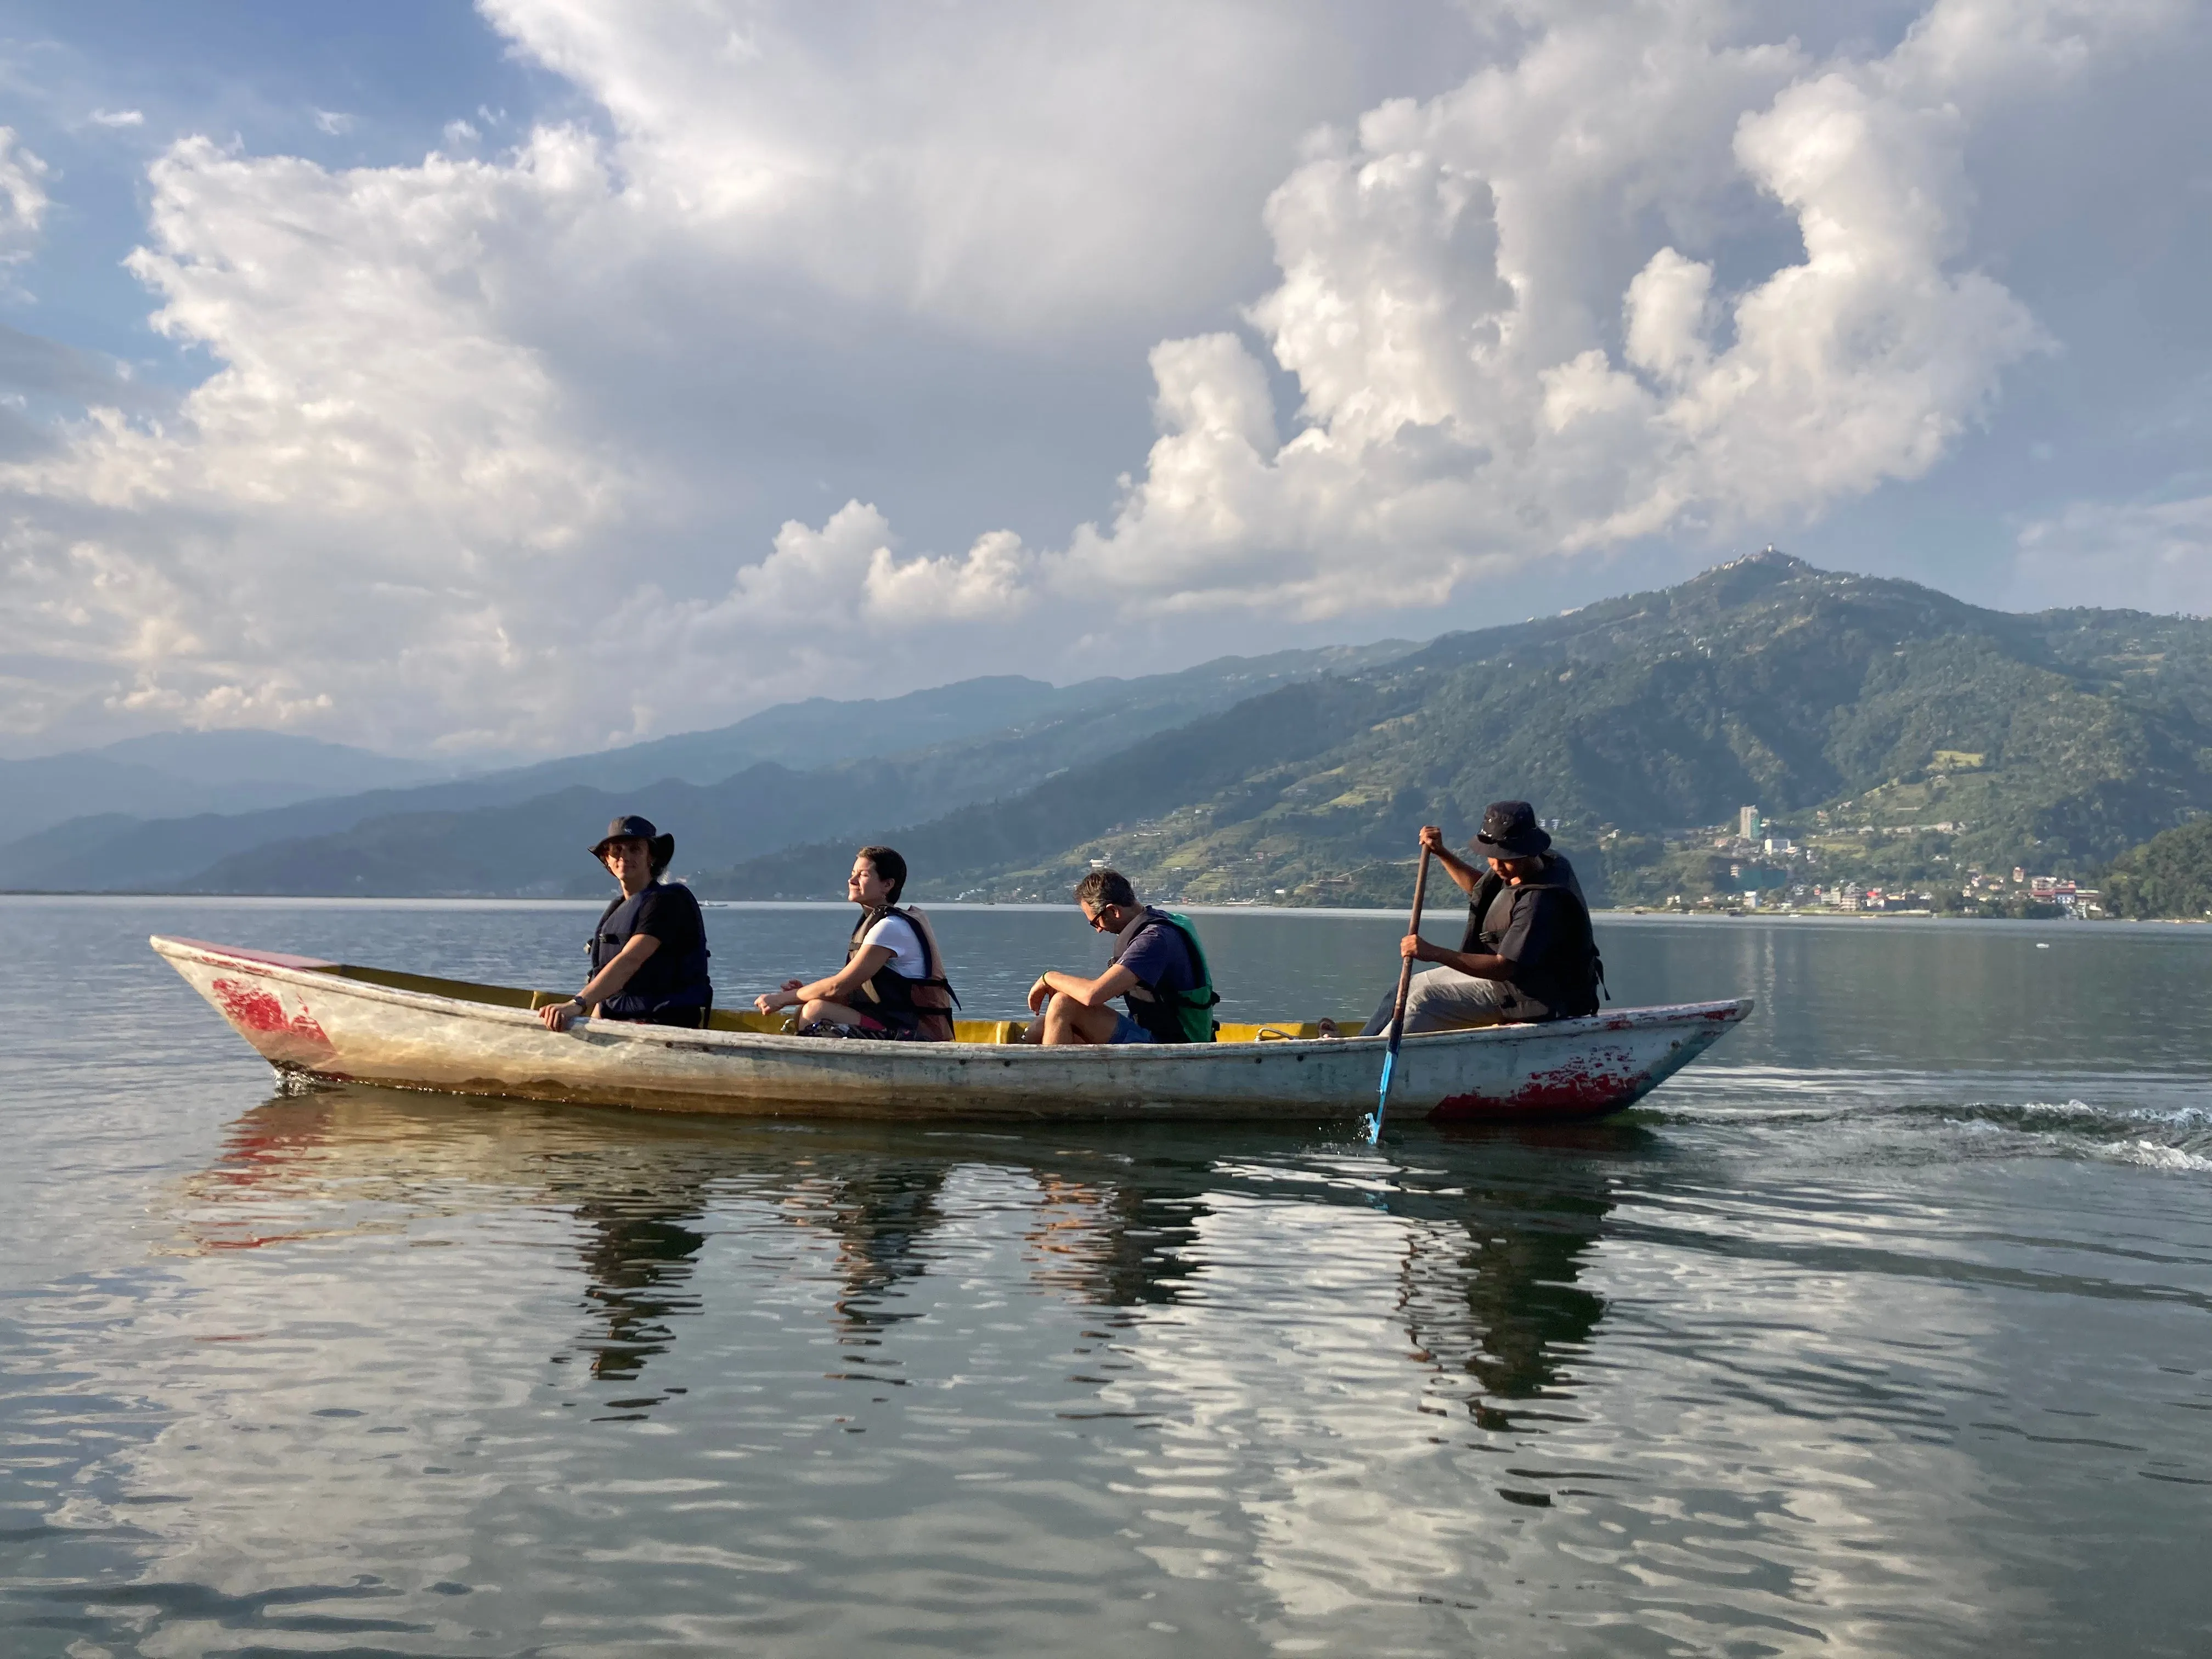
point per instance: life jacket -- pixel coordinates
(1575, 994)
(919, 1008)
(1172, 1016)
(1558, 873)
(667, 990)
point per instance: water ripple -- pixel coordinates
(1807, 1356)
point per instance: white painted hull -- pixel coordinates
(306, 1019)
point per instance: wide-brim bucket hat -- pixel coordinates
(630, 827)
(1509, 829)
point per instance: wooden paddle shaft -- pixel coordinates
(1405, 964)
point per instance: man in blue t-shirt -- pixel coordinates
(1151, 957)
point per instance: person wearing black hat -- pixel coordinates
(1528, 954)
(649, 948)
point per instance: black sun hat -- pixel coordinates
(630, 827)
(1509, 827)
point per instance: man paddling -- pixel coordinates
(1158, 969)
(649, 948)
(1528, 953)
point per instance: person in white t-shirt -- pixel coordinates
(892, 986)
(908, 957)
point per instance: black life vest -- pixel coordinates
(921, 1008)
(1172, 1016)
(667, 990)
(1568, 985)
(1558, 873)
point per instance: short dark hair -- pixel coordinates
(1104, 887)
(889, 867)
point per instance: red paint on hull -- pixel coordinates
(257, 1012)
(1590, 1087)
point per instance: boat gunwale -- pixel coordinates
(309, 972)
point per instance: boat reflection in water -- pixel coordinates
(857, 1230)
(640, 1262)
(1495, 1294)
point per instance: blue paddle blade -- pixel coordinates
(1382, 1100)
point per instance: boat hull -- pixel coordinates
(307, 1020)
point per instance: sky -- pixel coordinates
(484, 382)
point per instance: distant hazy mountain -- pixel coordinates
(259, 758)
(812, 733)
(172, 774)
(821, 731)
(1909, 729)
(538, 847)
(463, 836)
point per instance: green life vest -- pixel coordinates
(1178, 1015)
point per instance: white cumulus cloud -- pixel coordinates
(22, 197)
(474, 426)
(1493, 368)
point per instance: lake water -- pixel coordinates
(1882, 1330)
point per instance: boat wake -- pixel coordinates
(2154, 1121)
(2155, 1137)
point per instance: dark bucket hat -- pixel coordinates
(630, 827)
(1509, 827)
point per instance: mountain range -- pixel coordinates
(731, 792)
(1894, 732)
(1905, 732)
(168, 773)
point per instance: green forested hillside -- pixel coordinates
(2169, 875)
(1908, 734)
(1890, 734)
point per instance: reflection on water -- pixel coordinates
(1496, 1295)
(1883, 1331)
(1484, 1273)
(1291, 1388)
(882, 1215)
(640, 1264)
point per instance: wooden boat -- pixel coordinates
(331, 1020)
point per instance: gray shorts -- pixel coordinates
(1445, 999)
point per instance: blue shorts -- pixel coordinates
(1125, 1028)
(1127, 1031)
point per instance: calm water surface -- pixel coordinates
(1884, 1330)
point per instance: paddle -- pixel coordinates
(1398, 1018)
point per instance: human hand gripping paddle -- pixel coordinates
(1398, 1017)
